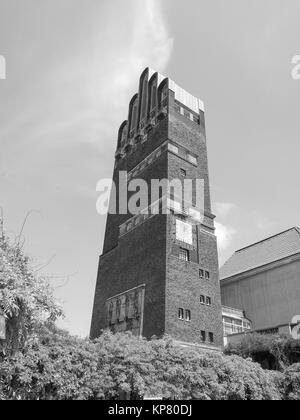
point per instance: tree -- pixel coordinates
(60, 367)
(26, 300)
(41, 362)
(291, 383)
(274, 351)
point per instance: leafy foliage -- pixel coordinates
(45, 363)
(58, 366)
(279, 350)
(26, 300)
(291, 384)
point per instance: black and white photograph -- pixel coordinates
(149, 203)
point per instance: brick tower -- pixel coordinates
(158, 273)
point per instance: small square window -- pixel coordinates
(184, 254)
(187, 315)
(183, 172)
(202, 299)
(173, 148)
(207, 275)
(203, 336)
(196, 119)
(201, 274)
(192, 159)
(177, 108)
(122, 229)
(208, 301)
(211, 337)
(180, 313)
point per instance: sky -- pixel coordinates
(72, 67)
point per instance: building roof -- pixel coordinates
(274, 248)
(181, 95)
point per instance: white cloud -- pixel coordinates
(261, 222)
(137, 42)
(225, 235)
(83, 96)
(224, 209)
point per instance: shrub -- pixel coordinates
(26, 300)
(275, 351)
(291, 383)
(56, 366)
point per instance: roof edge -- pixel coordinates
(261, 268)
(267, 239)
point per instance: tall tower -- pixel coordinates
(158, 273)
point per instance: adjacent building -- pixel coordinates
(263, 281)
(158, 273)
(234, 323)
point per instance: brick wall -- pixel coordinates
(149, 253)
(139, 257)
(183, 286)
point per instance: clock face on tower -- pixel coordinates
(184, 232)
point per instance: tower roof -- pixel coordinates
(181, 95)
(271, 249)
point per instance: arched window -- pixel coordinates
(153, 97)
(143, 95)
(163, 91)
(122, 137)
(152, 102)
(133, 115)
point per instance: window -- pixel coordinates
(184, 254)
(192, 159)
(211, 337)
(203, 336)
(177, 108)
(202, 300)
(207, 275)
(246, 325)
(196, 119)
(134, 117)
(173, 148)
(208, 301)
(182, 172)
(187, 315)
(164, 93)
(122, 229)
(233, 325)
(157, 154)
(201, 274)
(153, 97)
(180, 313)
(184, 232)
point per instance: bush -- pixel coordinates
(275, 352)
(26, 300)
(291, 383)
(57, 366)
